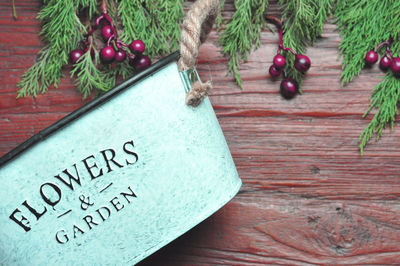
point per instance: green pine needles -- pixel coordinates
(61, 31)
(303, 23)
(385, 98)
(156, 23)
(363, 24)
(243, 33)
(65, 24)
(88, 77)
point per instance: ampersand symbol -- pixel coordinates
(85, 202)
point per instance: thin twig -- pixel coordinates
(104, 6)
(14, 10)
(275, 20)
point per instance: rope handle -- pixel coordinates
(195, 29)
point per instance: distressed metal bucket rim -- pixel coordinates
(86, 108)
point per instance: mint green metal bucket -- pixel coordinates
(116, 180)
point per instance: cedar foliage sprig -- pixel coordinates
(88, 77)
(155, 22)
(61, 30)
(364, 24)
(384, 98)
(303, 21)
(242, 33)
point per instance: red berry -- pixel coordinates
(137, 47)
(302, 63)
(371, 58)
(289, 88)
(107, 32)
(75, 55)
(395, 66)
(141, 62)
(274, 72)
(385, 62)
(107, 55)
(120, 55)
(279, 61)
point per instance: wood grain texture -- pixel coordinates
(308, 197)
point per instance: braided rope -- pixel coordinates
(195, 29)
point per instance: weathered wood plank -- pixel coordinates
(278, 228)
(308, 196)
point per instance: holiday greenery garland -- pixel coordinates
(65, 24)
(363, 24)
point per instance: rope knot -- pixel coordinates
(198, 93)
(195, 29)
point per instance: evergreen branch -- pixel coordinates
(125, 70)
(91, 6)
(34, 80)
(242, 34)
(170, 16)
(155, 13)
(112, 10)
(218, 20)
(385, 98)
(363, 25)
(89, 78)
(61, 31)
(155, 23)
(303, 23)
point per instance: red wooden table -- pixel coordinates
(308, 197)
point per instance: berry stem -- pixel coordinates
(89, 38)
(89, 43)
(280, 45)
(131, 56)
(289, 49)
(387, 43)
(278, 23)
(98, 20)
(114, 44)
(104, 6)
(110, 39)
(109, 20)
(90, 32)
(105, 16)
(382, 44)
(389, 52)
(275, 20)
(122, 43)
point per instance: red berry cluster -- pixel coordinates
(387, 61)
(289, 87)
(115, 49)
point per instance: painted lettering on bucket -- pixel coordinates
(70, 179)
